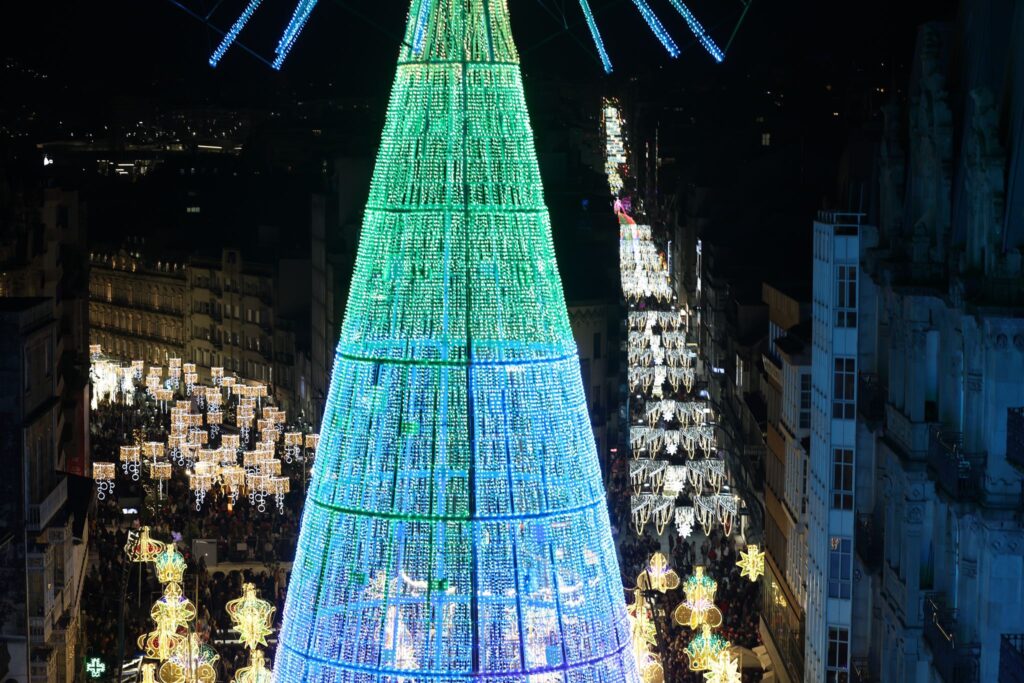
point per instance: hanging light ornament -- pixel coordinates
(704, 648)
(130, 461)
(160, 472)
(141, 548)
(172, 614)
(292, 445)
(658, 575)
(751, 562)
(232, 479)
(103, 474)
(698, 609)
(684, 521)
(252, 617)
(200, 481)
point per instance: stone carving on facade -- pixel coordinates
(915, 514)
(985, 192)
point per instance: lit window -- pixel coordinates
(766, 139)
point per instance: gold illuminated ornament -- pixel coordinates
(191, 662)
(644, 635)
(751, 562)
(658, 575)
(256, 672)
(704, 648)
(141, 548)
(252, 617)
(148, 672)
(725, 668)
(698, 609)
(170, 565)
(172, 614)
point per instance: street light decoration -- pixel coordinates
(252, 617)
(191, 662)
(725, 668)
(170, 565)
(658, 575)
(704, 648)
(141, 547)
(103, 473)
(751, 562)
(698, 608)
(256, 672)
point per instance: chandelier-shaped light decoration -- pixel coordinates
(456, 455)
(104, 473)
(252, 617)
(130, 461)
(751, 562)
(704, 648)
(141, 548)
(698, 609)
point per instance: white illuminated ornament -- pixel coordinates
(725, 668)
(684, 521)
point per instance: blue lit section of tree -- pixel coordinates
(456, 527)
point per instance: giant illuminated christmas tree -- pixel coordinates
(456, 528)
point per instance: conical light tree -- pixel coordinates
(456, 528)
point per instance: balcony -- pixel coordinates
(39, 515)
(1011, 658)
(960, 475)
(869, 537)
(954, 660)
(871, 396)
(911, 437)
(1015, 437)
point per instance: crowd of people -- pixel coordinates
(257, 545)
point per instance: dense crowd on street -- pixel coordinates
(260, 541)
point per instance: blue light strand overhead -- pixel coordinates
(698, 31)
(596, 36)
(659, 31)
(292, 31)
(233, 32)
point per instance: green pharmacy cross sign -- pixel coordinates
(95, 667)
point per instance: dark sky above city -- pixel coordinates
(128, 46)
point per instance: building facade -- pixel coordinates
(43, 542)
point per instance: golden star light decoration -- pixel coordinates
(725, 668)
(698, 609)
(252, 617)
(751, 562)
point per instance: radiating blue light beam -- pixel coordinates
(698, 31)
(292, 31)
(596, 36)
(659, 31)
(233, 32)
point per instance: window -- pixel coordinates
(597, 345)
(837, 668)
(840, 568)
(842, 479)
(846, 296)
(739, 372)
(805, 401)
(766, 139)
(843, 383)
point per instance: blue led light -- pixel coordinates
(233, 32)
(652, 20)
(292, 31)
(421, 27)
(596, 35)
(699, 31)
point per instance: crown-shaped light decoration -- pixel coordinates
(252, 617)
(698, 608)
(141, 548)
(191, 662)
(256, 672)
(172, 614)
(704, 648)
(725, 668)
(751, 562)
(658, 575)
(170, 565)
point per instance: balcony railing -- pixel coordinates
(869, 541)
(959, 474)
(954, 660)
(39, 515)
(1011, 658)
(1015, 437)
(911, 437)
